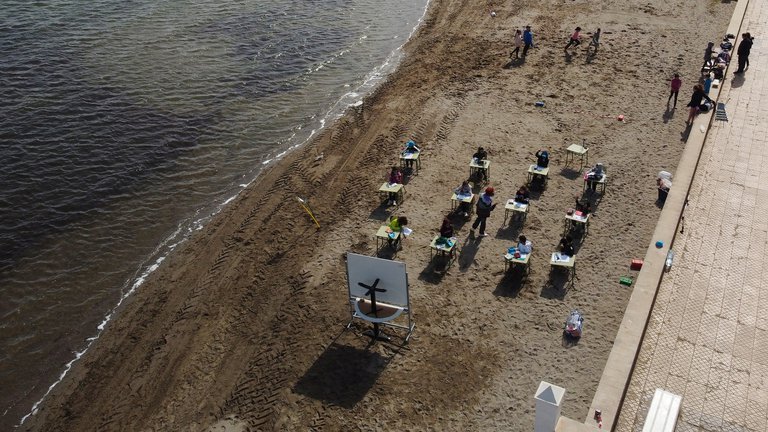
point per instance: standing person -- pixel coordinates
(743, 52)
(575, 38)
(527, 40)
(485, 206)
(595, 40)
(518, 42)
(696, 98)
(674, 88)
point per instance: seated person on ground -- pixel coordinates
(522, 195)
(464, 190)
(396, 225)
(566, 246)
(446, 229)
(410, 148)
(664, 184)
(542, 158)
(524, 245)
(395, 177)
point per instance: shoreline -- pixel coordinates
(198, 322)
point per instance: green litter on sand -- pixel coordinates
(626, 280)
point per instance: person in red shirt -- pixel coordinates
(575, 39)
(674, 88)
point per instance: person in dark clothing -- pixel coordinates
(542, 158)
(743, 52)
(527, 40)
(566, 246)
(485, 206)
(522, 195)
(480, 156)
(696, 98)
(446, 229)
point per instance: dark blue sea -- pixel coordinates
(125, 125)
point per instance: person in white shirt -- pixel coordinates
(524, 245)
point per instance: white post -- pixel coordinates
(548, 398)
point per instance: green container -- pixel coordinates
(626, 280)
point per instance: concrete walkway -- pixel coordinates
(707, 338)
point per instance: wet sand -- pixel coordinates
(243, 328)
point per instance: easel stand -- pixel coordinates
(378, 293)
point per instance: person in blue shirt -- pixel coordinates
(527, 39)
(410, 148)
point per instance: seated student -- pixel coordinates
(446, 229)
(522, 195)
(410, 148)
(479, 156)
(395, 177)
(524, 245)
(566, 246)
(542, 158)
(664, 185)
(463, 190)
(396, 225)
(584, 207)
(594, 175)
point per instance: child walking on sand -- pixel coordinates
(674, 88)
(518, 42)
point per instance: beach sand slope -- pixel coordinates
(242, 328)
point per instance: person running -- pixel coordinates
(575, 39)
(527, 40)
(696, 98)
(674, 88)
(518, 42)
(485, 206)
(745, 46)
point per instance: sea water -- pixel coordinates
(125, 125)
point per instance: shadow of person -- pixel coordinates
(468, 251)
(514, 63)
(591, 54)
(737, 81)
(668, 114)
(568, 57)
(687, 132)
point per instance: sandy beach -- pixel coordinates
(244, 327)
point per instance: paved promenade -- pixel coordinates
(707, 338)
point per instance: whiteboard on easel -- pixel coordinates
(363, 272)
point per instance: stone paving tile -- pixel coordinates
(707, 338)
